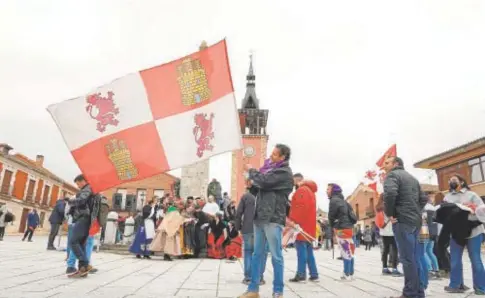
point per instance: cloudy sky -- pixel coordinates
(342, 79)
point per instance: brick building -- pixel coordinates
(468, 160)
(364, 199)
(131, 196)
(26, 184)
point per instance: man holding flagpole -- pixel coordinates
(274, 182)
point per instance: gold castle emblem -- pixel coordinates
(120, 156)
(193, 82)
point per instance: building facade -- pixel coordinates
(132, 196)
(364, 199)
(467, 160)
(25, 185)
(253, 121)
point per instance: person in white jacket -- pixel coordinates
(389, 246)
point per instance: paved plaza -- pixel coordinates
(28, 270)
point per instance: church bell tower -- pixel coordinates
(253, 122)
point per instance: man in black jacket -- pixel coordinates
(274, 183)
(403, 204)
(81, 217)
(244, 223)
(56, 219)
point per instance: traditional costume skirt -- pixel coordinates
(201, 242)
(140, 245)
(187, 239)
(215, 249)
(234, 248)
(165, 244)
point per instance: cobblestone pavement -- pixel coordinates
(28, 270)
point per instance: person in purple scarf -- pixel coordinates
(273, 183)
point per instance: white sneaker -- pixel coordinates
(345, 278)
(427, 293)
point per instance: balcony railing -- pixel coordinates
(370, 211)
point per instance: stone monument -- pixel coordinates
(195, 178)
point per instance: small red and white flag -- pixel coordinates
(154, 120)
(374, 178)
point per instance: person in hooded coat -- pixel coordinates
(339, 216)
(303, 212)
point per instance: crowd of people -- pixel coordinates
(279, 210)
(187, 228)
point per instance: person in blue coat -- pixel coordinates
(33, 221)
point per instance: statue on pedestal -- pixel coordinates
(214, 189)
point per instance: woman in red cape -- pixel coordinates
(216, 237)
(233, 248)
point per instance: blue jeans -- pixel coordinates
(456, 252)
(423, 265)
(430, 256)
(304, 251)
(267, 234)
(349, 267)
(407, 243)
(71, 259)
(248, 240)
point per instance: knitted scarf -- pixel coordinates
(268, 166)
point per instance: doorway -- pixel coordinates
(23, 220)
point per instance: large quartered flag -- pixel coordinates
(154, 120)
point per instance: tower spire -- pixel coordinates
(250, 100)
(251, 70)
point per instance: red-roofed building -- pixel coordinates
(25, 184)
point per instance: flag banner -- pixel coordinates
(289, 236)
(391, 152)
(152, 121)
(374, 178)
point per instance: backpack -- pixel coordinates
(99, 209)
(9, 217)
(351, 214)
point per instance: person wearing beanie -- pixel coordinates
(342, 220)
